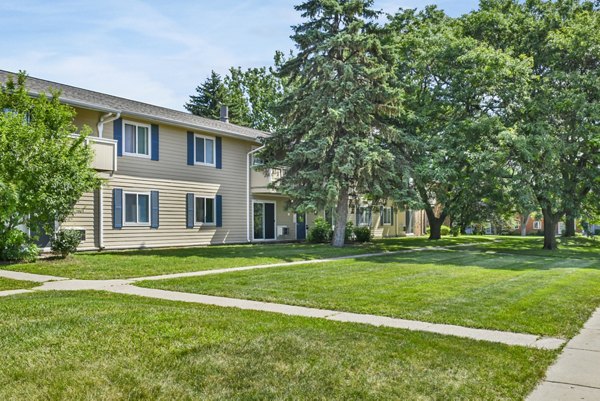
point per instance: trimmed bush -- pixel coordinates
(320, 232)
(362, 234)
(445, 230)
(348, 232)
(66, 242)
(15, 247)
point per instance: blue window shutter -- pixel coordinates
(190, 148)
(118, 135)
(219, 199)
(154, 207)
(393, 211)
(117, 208)
(154, 141)
(189, 211)
(381, 215)
(219, 151)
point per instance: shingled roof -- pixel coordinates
(102, 102)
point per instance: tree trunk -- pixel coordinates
(550, 222)
(435, 224)
(524, 219)
(435, 229)
(341, 218)
(570, 226)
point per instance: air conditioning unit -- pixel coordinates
(283, 231)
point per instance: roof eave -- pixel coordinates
(152, 118)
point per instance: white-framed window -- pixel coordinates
(256, 161)
(537, 225)
(137, 208)
(364, 216)
(386, 218)
(136, 139)
(205, 210)
(204, 150)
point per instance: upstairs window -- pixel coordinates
(136, 140)
(204, 150)
(205, 210)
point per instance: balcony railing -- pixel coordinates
(260, 180)
(105, 153)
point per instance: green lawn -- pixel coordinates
(93, 345)
(126, 264)
(548, 295)
(8, 284)
(574, 248)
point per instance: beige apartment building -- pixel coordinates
(175, 179)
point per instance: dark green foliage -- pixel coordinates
(332, 139)
(362, 234)
(211, 94)
(65, 242)
(349, 231)
(15, 247)
(320, 232)
(249, 94)
(555, 148)
(459, 98)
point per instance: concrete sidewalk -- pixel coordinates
(576, 373)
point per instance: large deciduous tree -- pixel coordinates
(557, 149)
(458, 98)
(331, 140)
(44, 169)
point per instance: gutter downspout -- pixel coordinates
(248, 167)
(106, 118)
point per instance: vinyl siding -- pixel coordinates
(172, 230)
(84, 215)
(89, 118)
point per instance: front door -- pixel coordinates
(264, 221)
(301, 226)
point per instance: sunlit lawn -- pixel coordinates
(101, 346)
(126, 264)
(552, 294)
(8, 284)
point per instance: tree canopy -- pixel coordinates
(44, 169)
(332, 140)
(249, 94)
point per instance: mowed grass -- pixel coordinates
(574, 248)
(8, 284)
(93, 345)
(140, 263)
(551, 296)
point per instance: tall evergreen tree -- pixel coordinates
(332, 141)
(249, 94)
(209, 97)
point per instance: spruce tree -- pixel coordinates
(210, 96)
(332, 141)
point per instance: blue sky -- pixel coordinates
(152, 51)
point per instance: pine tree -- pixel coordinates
(332, 141)
(210, 96)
